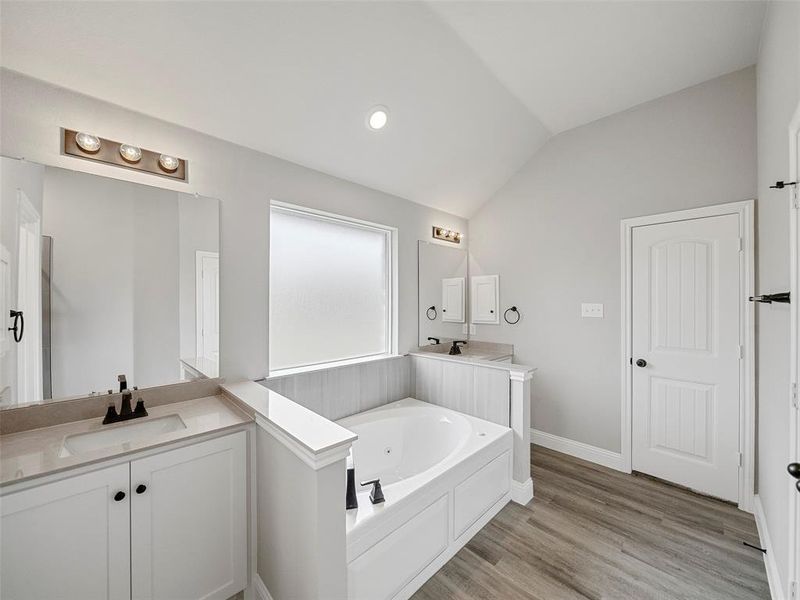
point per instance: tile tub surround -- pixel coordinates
(37, 452)
(47, 414)
(341, 391)
(473, 349)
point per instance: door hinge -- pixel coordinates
(795, 201)
(741, 352)
(741, 459)
(741, 244)
(793, 590)
(794, 395)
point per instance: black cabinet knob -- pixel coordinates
(641, 362)
(794, 470)
(141, 488)
(119, 496)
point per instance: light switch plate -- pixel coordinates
(591, 311)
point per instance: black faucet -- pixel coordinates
(454, 349)
(123, 383)
(434, 340)
(125, 411)
(376, 495)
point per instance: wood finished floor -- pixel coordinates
(592, 532)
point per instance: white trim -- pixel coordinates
(773, 574)
(262, 593)
(744, 210)
(522, 493)
(315, 460)
(392, 276)
(794, 343)
(600, 456)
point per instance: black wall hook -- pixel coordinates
(779, 185)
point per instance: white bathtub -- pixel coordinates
(444, 475)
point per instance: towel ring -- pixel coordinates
(513, 309)
(428, 313)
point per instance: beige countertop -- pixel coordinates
(473, 349)
(38, 452)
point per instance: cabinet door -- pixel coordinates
(189, 526)
(68, 540)
(453, 300)
(485, 299)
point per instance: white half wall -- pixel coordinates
(552, 234)
(31, 113)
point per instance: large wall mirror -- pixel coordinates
(443, 291)
(99, 278)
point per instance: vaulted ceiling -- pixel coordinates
(473, 89)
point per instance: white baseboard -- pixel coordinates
(522, 493)
(776, 588)
(262, 593)
(600, 456)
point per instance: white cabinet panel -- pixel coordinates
(188, 527)
(485, 298)
(479, 492)
(453, 300)
(68, 540)
(383, 570)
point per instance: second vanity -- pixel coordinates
(474, 350)
(149, 508)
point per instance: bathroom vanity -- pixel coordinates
(152, 508)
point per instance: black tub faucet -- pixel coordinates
(434, 340)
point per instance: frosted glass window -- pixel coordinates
(329, 289)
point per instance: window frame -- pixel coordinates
(391, 321)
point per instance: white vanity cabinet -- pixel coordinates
(169, 526)
(453, 300)
(69, 539)
(189, 523)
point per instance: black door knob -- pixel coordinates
(641, 362)
(794, 470)
(140, 489)
(119, 496)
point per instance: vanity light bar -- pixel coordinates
(447, 235)
(88, 146)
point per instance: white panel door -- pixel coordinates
(453, 300)
(208, 305)
(686, 354)
(485, 298)
(68, 540)
(189, 522)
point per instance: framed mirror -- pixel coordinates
(442, 293)
(100, 278)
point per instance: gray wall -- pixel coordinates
(31, 113)
(437, 262)
(552, 233)
(778, 95)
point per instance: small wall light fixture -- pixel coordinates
(447, 235)
(91, 147)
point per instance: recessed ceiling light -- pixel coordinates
(87, 142)
(377, 118)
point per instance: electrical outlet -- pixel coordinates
(592, 311)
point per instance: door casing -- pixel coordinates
(744, 210)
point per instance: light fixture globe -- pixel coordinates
(87, 142)
(168, 163)
(129, 153)
(377, 118)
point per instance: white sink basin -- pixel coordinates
(121, 435)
